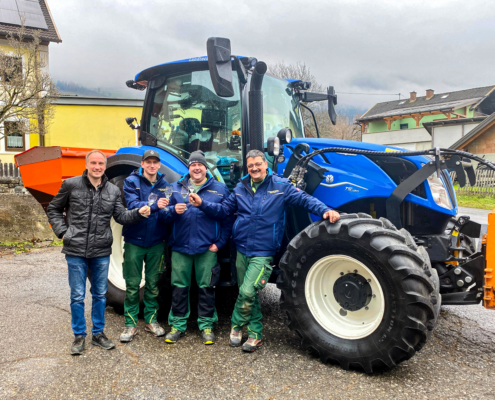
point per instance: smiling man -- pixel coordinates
(196, 239)
(90, 202)
(260, 200)
(144, 243)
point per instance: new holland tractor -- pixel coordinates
(364, 292)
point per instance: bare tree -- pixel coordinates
(345, 127)
(27, 92)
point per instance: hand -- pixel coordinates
(180, 208)
(145, 211)
(213, 247)
(162, 203)
(195, 200)
(332, 216)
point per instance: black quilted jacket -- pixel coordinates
(87, 232)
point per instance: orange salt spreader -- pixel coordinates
(489, 250)
(43, 169)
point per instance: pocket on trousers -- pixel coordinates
(263, 277)
(215, 275)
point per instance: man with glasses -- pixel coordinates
(260, 200)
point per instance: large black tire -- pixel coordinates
(404, 283)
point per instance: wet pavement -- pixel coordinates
(35, 336)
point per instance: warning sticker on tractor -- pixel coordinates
(391, 150)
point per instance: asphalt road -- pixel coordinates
(35, 336)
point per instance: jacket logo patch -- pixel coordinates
(237, 194)
(212, 191)
(161, 190)
(272, 191)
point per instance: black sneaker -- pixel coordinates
(102, 341)
(208, 336)
(173, 336)
(77, 347)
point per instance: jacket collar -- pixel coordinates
(104, 179)
(139, 172)
(246, 180)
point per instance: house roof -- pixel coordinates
(456, 121)
(474, 133)
(47, 35)
(451, 101)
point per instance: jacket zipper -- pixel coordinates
(235, 225)
(89, 219)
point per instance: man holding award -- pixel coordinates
(144, 243)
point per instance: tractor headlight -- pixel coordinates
(273, 146)
(439, 192)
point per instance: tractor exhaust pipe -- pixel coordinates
(256, 125)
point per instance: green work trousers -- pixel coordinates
(247, 310)
(207, 275)
(153, 259)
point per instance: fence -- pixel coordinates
(485, 184)
(9, 170)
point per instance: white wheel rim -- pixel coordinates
(115, 273)
(325, 308)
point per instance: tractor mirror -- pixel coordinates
(220, 65)
(332, 102)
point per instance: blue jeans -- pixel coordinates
(78, 271)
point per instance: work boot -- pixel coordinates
(173, 336)
(251, 345)
(128, 334)
(101, 340)
(77, 346)
(235, 338)
(155, 329)
(208, 336)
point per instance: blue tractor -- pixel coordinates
(364, 292)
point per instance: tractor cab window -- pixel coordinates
(187, 116)
(280, 108)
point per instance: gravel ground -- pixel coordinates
(35, 336)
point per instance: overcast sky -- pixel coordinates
(373, 46)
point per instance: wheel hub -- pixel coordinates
(352, 292)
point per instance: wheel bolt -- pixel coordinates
(374, 296)
(366, 308)
(341, 273)
(369, 280)
(355, 271)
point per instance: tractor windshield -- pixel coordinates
(280, 108)
(187, 116)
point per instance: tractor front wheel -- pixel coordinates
(358, 293)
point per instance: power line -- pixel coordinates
(372, 94)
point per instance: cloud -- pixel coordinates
(382, 45)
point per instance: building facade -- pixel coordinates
(403, 123)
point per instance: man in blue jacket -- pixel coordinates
(260, 200)
(196, 239)
(144, 242)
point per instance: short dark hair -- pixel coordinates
(256, 153)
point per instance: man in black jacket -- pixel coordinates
(90, 202)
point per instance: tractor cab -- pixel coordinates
(183, 113)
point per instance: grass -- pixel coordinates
(24, 247)
(485, 203)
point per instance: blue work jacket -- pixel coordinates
(148, 232)
(193, 231)
(260, 224)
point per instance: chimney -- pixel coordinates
(412, 97)
(429, 93)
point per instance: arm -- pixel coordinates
(126, 217)
(217, 210)
(225, 226)
(170, 215)
(297, 197)
(55, 210)
(133, 198)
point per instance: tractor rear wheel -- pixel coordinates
(358, 293)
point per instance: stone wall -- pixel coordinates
(21, 217)
(11, 185)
